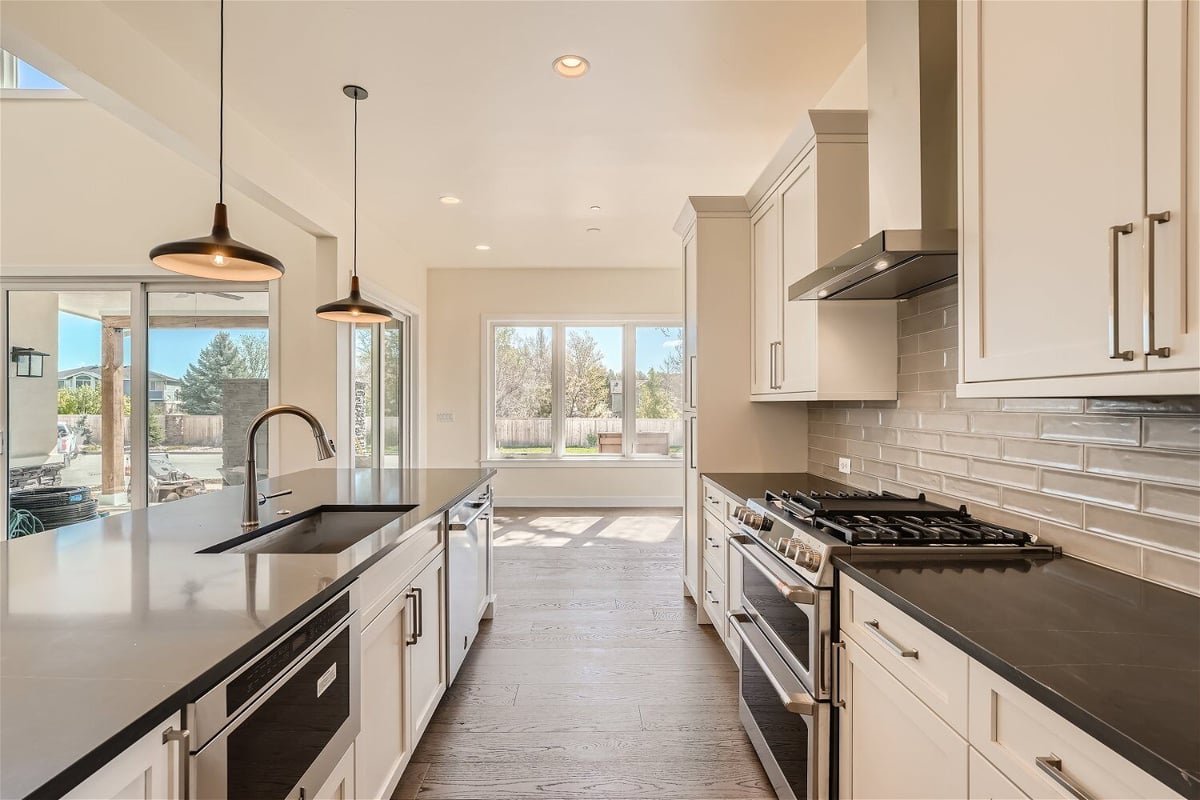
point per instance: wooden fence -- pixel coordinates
(179, 430)
(580, 431)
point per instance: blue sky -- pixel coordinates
(652, 345)
(30, 78)
(170, 350)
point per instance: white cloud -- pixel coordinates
(673, 343)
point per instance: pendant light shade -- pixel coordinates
(354, 308)
(218, 255)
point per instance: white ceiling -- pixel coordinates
(683, 98)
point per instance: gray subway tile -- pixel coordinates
(907, 308)
(1179, 502)
(1002, 472)
(1172, 433)
(939, 298)
(880, 469)
(1050, 454)
(929, 361)
(1091, 428)
(1063, 405)
(937, 381)
(818, 456)
(1154, 530)
(1167, 467)
(1037, 504)
(858, 480)
(908, 383)
(945, 421)
(923, 440)
(953, 402)
(921, 478)
(1005, 423)
(1115, 554)
(898, 418)
(883, 435)
(923, 323)
(861, 449)
(898, 455)
(941, 339)
(1183, 404)
(1093, 488)
(919, 400)
(907, 345)
(862, 416)
(943, 462)
(1171, 569)
(972, 490)
(985, 446)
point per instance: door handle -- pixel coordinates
(420, 612)
(692, 381)
(889, 642)
(180, 737)
(1152, 222)
(1114, 289)
(692, 437)
(1051, 766)
(794, 697)
(779, 365)
(412, 638)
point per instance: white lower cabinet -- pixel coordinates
(147, 770)
(891, 745)
(403, 678)
(340, 785)
(988, 783)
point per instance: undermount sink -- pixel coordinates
(321, 531)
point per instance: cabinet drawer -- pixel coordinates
(714, 600)
(1019, 735)
(379, 584)
(714, 544)
(932, 668)
(988, 783)
(715, 501)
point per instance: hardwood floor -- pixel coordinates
(593, 680)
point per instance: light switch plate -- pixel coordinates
(844, 466)
(445, 416)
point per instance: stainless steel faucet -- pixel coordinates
(325, 450)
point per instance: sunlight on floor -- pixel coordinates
(640, 529)
(529, 539)
(582, 530)
(568, 525)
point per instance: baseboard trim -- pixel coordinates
(590, 501)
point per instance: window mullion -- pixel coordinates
(559, 391)
(139, 421)
(629, 373)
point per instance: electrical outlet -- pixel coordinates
(445, 416)
(844, 466)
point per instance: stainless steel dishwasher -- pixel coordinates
(469, 525)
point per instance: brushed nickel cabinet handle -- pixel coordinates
(692, 381)
(180, 737)
(692, 450)
(1114, 288)
(889, 642)
(412, 638)
(1051, 765)
(1152, 222)
(779, 365)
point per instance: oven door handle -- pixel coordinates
(792, 694)
(800, 595)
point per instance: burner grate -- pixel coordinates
(911, 529)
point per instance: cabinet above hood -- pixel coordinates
(913, 160)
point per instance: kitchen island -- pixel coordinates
(108, 627)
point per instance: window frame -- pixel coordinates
(558, 324)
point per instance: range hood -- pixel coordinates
(912, 152)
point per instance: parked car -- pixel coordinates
(68, 443)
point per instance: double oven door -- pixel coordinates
(785, 630)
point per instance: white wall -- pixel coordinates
(34, 400)
(850, 88)
(459, 299)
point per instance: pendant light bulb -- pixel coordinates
(218, 255)
(354, 308)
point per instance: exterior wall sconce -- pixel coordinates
(28, 361)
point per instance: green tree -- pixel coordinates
(523, 387)
(586, 391)
(256, 355)
(80, 400)
(155, 430)
(200, 386)
(654, 400)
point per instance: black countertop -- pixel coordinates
(1114, 654)
(749, 485)
(108, 627)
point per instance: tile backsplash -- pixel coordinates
(1115, 481)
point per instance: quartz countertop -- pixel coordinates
(1116, 655)
(749, 485)
(108, 627)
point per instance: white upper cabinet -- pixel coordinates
(817, 210)
(1073, 196)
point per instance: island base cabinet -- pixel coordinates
(403, 678)
(147, 770)
(891, 745)
(989, 783)
(340, 785)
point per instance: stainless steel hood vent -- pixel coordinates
(912, 157)
(890, 265)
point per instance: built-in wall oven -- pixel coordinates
(277, 727)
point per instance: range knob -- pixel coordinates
(808, 558)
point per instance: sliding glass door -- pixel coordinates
(380, 400)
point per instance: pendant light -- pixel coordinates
(354, 308)
(218, 255)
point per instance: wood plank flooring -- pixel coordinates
(593, 680)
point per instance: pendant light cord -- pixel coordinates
(221, 116)
(355, 257)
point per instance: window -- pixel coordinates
(578, 390)
(381, 383)
(16, 74)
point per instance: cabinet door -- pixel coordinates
(1052, 151)
(691, 511)
(147, 770)
(891, 744)
(798, 199)
(383, 744)
(691, 309)
(765, 313)
(1172, 166)
(733, 596)
(340, 785)
(989, 783)
(427, 647)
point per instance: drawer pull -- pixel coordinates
(1114, 290)
(1051, 765)
(889, 642)
(712, 598)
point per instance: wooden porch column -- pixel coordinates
(112, 411)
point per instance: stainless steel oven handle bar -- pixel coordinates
(794, 696)
(481, 509)
(180, 737)
(800, 595)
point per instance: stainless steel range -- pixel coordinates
(788, 619)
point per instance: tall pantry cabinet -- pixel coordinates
(724, 431)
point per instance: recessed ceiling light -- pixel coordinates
(570, 66)
(593, 230)
(483, 247)
(595, 208)
(823, 293)
(450, 200)
(881, 264)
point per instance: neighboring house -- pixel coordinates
(163, 389)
